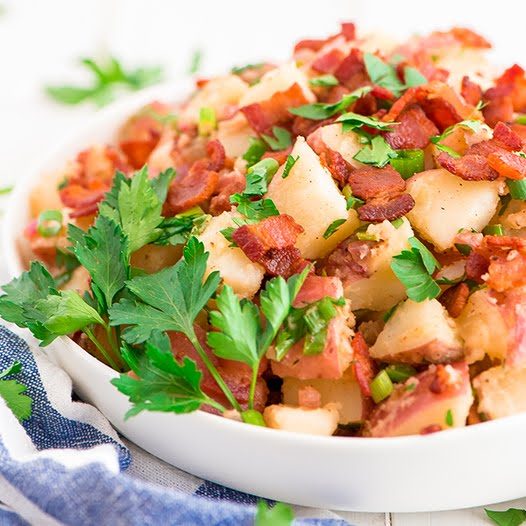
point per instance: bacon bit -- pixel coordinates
(83, 201)
(498, 108)
(409, 97)
(476, 266)
(508, 164)
(520, 130)
(315, 288)
(262, 116)
(469, 38)
(507, 272)
(337, 165)
(513, 83)
(309, 397)
(351, 72)
(329, 62)
(271, 243)
(471, 91)
(230, 182)
(280, 156)
(383, 208)
(441, 381)
(413, 131)
(441, 112)
(382, 93)
(471, 167)
(304, 127)
(348, 261)
(455, 299)
(367, 105)
(432, 428)
(370, 182)
(364, 367)
(348, 31)
(137, 152)
(507, 138)
(201, 182)
(314, 44)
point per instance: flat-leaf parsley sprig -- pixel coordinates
(13, 392)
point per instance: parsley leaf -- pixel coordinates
(351, 121)
(254, 210)
(331, 229)
(256, 149)
(279, 515)
(238, 70)
(378, 153)
(324, 81)
(195, 62)
(178, 229)
(473, 125)
(413, 77)
(290, 162)
(107, 77)
(281, 141)
(319, 110)
(414, 268)
(259, 176)
(510, 517)
(13, 393)
(382, 74)
(162, 383)
(170, 299)
(102, 250)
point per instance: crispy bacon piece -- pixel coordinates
(349, 261)
(471, 91)
(315, 288)
(271, 243)
(370, 182)
(384, 208)
(411, 96)
(351, 72)
(506, 137)
(230, 182)
(304, 127)
(200, 183)
(520, 130)
(476, 266)
(262, 116)
(471, 167)
(513, 83)
(507, 164)
(337, 165)
(441, 112)
(498, 107)
(314, 44)
(84, 200)
(469, 38)
(455, 299)
(328, 62)
(364, 367)
(413, 131)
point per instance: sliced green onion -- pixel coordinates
(364, 236)
(256, 149)
(408, 162)
(331, 229)
(517, 188)
(381, 387)
(465, 250)
(449, 418)
(6, 190)
(49, 223)
(207, 121)
(397, 223)
(327, 309)
(324, 81)
(400, 372)
(251, 416)
(493, 230)
(521, 119)
(352, 202)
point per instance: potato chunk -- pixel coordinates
(235, 268)
(418, 333)
(345, 392)
(346, 144)
(279, 79)
(501, 392)
(380, 289)
(310, 195)
(234, 134)
(438, 398)
(216, 94)
(323, 421)
(445, 203)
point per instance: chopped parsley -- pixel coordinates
(290, 162)
(256, 149)
(378, 153)
(333, 227)
(13, 392)
(324, 81)
(352, 121)
(281, 141)
(449, 418)
(278, 515)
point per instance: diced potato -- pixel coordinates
(483, 328)
(235, 268)
(152, 258)
(346, 144)
(345, 392)
(382, 289)
(462, 61)
(234, 134)
(414, 407)
(310, 195)
(279, 79)
(445, 203)
(323, 421)
(418, 332)
(216, 94)
(501, 392)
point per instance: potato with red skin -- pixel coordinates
(438, 398)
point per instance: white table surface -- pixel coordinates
(40, 40)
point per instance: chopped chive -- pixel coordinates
(400, 372)
(324, 81)
(381, 387)
(195, 61)
(397, 223)
(517, 188)
(364, 236)
(6, 190)
(408, 162)
(331, 229)
(465, 250)
(389, 313)
(251, 416)
(352, 202)
(449, 418)
(493, 230)
(49, 223)
(291, 161)
(207, 121)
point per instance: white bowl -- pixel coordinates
(453, 469)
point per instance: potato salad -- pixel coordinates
(333, 245)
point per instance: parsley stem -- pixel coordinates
(113, 343)
(213, 371)
(89, 333)
(216, 405)
(253, 382)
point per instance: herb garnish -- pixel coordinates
(352, 121)
(290, 162)
(331, 229)
(278, 515)
(13, 393)
(510, 517)
(324, 81)
(378, 153)
(256, 149)
(281, 141)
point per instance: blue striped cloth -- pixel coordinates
(65, 465)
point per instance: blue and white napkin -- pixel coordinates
(65, 465)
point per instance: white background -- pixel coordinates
(41, 41)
